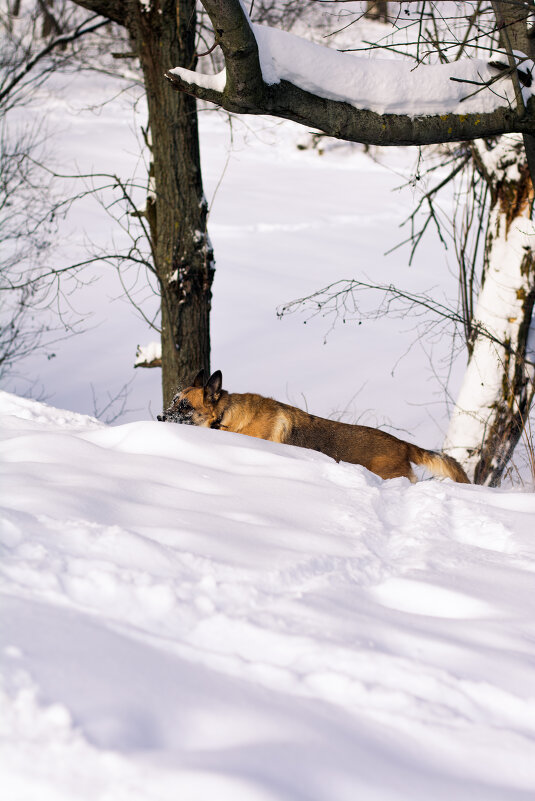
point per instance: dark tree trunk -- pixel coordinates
(164, 36)
(377, 9)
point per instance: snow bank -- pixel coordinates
(196, 614)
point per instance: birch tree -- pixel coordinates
(391, 103)
(498, 386)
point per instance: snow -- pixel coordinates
(148, 354)
(215, 82)
(385, 86)
(191, 613)
(391, 86)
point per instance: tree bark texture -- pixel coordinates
(498, 385)
(163, 35)
(513, 21)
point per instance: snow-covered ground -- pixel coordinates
(194, 614)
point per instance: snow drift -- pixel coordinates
(194, 614)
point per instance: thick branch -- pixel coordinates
(344, 121)
(243, 89)
(233, 32)
(114, 10)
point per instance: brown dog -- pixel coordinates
(209, 405)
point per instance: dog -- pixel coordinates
(208, 405)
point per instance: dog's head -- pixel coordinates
(199, 404)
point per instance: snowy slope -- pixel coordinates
(193, 614)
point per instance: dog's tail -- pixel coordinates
(438, 463)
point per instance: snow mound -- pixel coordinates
(197, 614)
(40, 415)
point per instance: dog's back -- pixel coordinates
(389, 457)
(378, 451)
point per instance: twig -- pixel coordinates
(59, 41)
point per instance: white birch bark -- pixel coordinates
(497, 389)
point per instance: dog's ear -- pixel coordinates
(212, 390)
(198, 381)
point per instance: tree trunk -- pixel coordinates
(164, 36)
(377, 9)
(498, 385)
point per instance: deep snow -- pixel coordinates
(193, 614)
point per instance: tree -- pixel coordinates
(377, 9)
(267, 74)
(497, 389)
(168, 237)
(499, 384)
(162, 33)
(23, 243)
(35, 44)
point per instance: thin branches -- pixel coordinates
(57, 43)
(341, 300)
(427, 199)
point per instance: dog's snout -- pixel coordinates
(180, 411)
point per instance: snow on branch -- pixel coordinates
(386, 102)
(149, 355)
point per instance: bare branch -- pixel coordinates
(340, 300)
(54, 44)
(114, 10)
